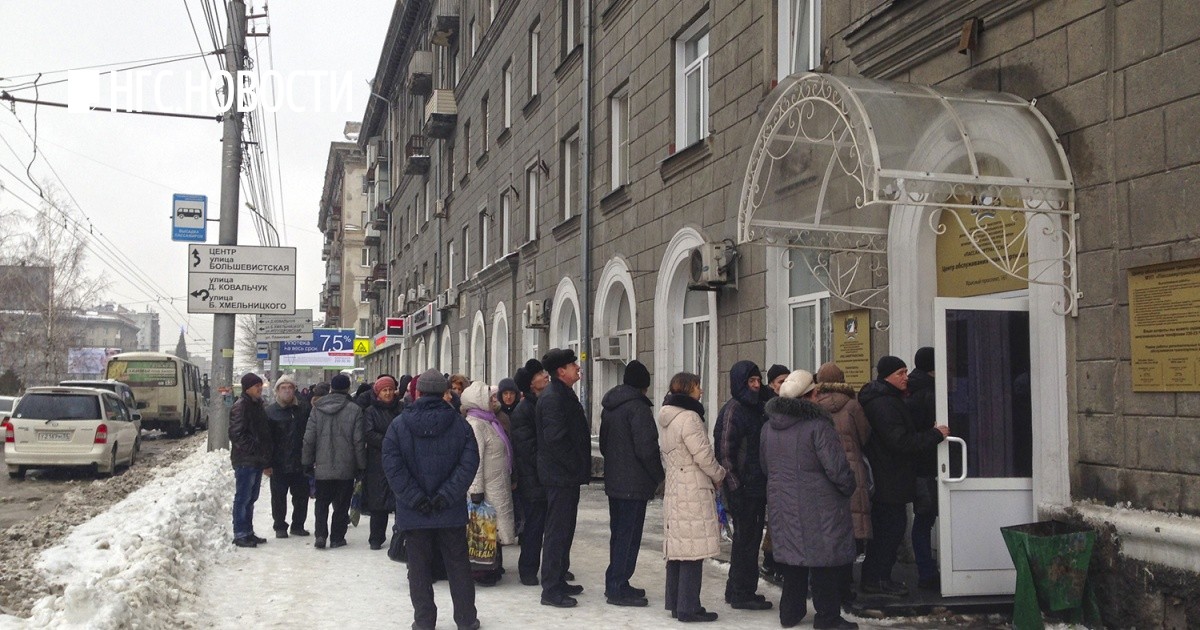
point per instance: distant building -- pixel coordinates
(344, 220)
(148, 330)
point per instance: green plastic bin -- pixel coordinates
(1051, 558)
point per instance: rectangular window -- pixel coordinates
(365, 185)
(619, 138)
(532, 181)
(416, 218)
(570, 26)
(474, 31)
(487, 123)
(363, 219)
(428, 201)
(466, 252)
(799, 36)
(448, 158)
(505, 223)
(365, 257)
(506, 85)
(691, 86)
(535, 50)
(466, 148)
(571, 180)
(483, 237)
(450, 260)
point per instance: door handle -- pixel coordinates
(961, 442)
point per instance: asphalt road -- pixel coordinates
(42, 489)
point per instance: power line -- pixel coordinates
(167, 59)
(31, 84)
(5, 96)
(196, 33)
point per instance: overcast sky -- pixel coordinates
(123, 169)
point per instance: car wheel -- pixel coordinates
(112, 465)
(16, 472)
(137, 449)
(175, 432)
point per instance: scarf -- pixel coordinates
(686, 402)
(491, 418)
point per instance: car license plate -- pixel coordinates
(54, 436)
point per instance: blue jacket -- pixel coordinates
(429, 451)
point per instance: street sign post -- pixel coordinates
(297, 327)
(189, 218)
(242, 280)
(328, 347)
(262, 350)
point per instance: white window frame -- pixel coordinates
(506, 83)
(450, 262)
(483, 236)
(619, 138)
(571, 177)
(570, 33)
(535, 53)
(466, 252)
(698, 33)
(365, 257)
(487, 123)
(533, 181)
(505, 224)
(819, 303)
(789, 11)
(474, 31)
(428, 200)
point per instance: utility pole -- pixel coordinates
(225, 325)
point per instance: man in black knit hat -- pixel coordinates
(531, 380)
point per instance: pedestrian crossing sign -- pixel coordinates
(362, 346)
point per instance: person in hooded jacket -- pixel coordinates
(334, 445)
(840, 399)
(922, 405)
(378, 500)
(632, 471)
(809, 484)
(289, 418)
(895, 445)
(493, 479)
(430, 458)
(736, 435)
(532, 381)
(689, 497)
(507, 397)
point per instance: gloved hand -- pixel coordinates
(477, 498)
(439, 503)
(424, 507)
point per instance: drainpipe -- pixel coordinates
(585, 221)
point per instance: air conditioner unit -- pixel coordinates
(710, 266)
(372, 150)
(422, 292)
(412, 295)
(536, 314)
(611, 347)
(441, 301)
(439, 209)
(448, 299)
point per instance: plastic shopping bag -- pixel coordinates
(482, 536)
(356, 500)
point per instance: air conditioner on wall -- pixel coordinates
(612, 347)
(711, 265)
(440, 303)
(422, 292)
(439, 209)
(536, 314)
(412, 295)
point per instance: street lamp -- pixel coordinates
(251, 207)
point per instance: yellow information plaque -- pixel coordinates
(1164, 327)
(852, 345)
(962, 271)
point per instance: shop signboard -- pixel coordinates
(852, 345)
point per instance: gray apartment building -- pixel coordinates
(798, 181)
(344, 219)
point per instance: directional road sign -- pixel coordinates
(241, 279)
(189, 218)
(297, 327)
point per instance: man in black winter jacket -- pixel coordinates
(922, 406)
(532, 381)
(895, 446)
(289, 417)
(736, 443)
(250, 450)
(564, 462)
(632, 472)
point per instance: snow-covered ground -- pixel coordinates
(162, 558)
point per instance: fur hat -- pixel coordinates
(250, 379)
(558, 357)
(830, 373)
(636, 375)
(340, 383)
(888, 365)
(432, 382)
(797, 384)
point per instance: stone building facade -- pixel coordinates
(343, 219)
(552, 168)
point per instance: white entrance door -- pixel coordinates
(985, 469)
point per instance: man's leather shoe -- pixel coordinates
(258, 539)
(751, 604)
(573, 589)
(530, 580)
(627, 600)
(570, 577)
(245, 542)
(562, 601)
(699, 616)
(838, 624)
(281, 533)
(300, 531)
(320, 543)
(337, 543)
(633, 591)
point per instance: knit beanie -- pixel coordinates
(888, 365)
(382, 382)
(250, 379)
(924, 359)
(340, 383)
(432, 382)
(775, 372)
(636, 375)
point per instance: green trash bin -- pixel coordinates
(1051, 558)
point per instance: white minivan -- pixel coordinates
(70, 427)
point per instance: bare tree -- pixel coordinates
(247, 343)
(44, 289)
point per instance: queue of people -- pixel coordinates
(824, 470)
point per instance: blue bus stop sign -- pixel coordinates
(189, 218)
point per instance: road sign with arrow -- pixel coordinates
(241, 279)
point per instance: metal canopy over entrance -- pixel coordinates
(831, 150)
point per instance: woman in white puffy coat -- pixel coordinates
(689, 500)
(493, 479)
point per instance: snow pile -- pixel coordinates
(137, 565)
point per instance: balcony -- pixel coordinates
(416, 156)
(326, 250)
(371, 237)
(369, 291)
(335, 278)
(420, 73)
(379, 214)
(445, 22)
(379, 271)
(441, 114)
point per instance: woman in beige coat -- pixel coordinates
(838, 398)
(689, 501)
(493, 479)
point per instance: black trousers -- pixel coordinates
(424, 545)
(888, 522)
(281, 484)
(683, 585)
(336, 492)
(531, 539)
(826, 593)
(379, 523)
(627, 518)
(562, 509)
(749, 516)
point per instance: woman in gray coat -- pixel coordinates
(809, 484)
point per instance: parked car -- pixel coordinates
(7, 403)
(70, 427)
(114, 386)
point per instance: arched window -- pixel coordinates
(615, 325)
(478, 365)
(685, 323)
(500, 354)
